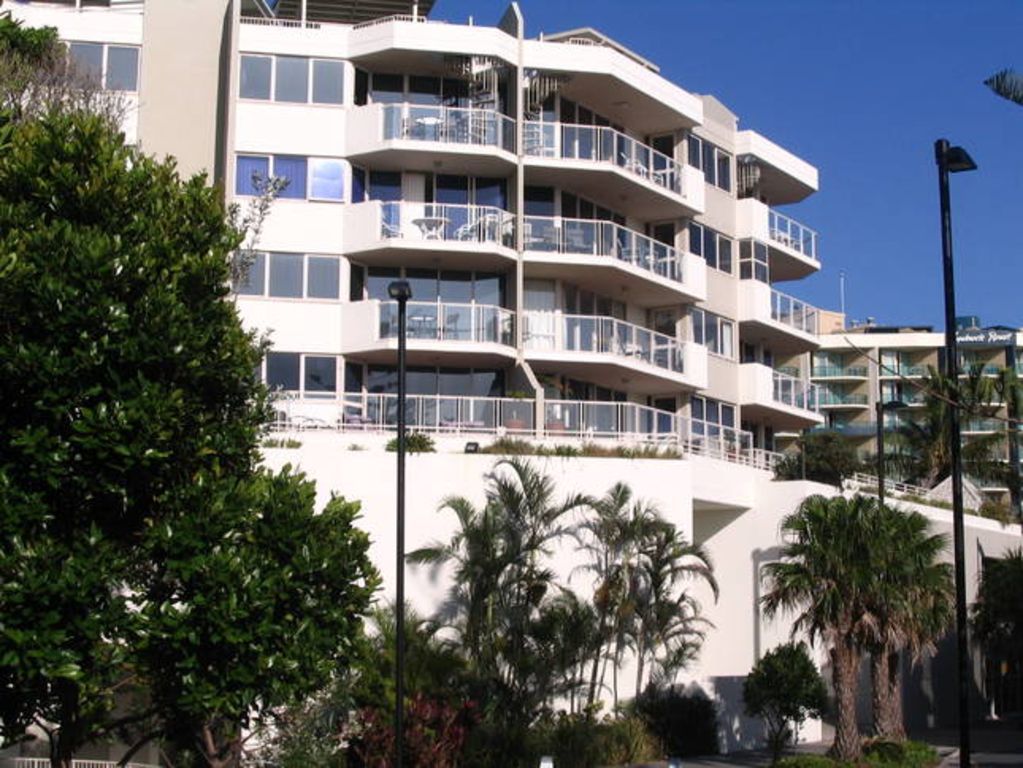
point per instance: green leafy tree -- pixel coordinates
(911, 604)
(253, 601)
(997, 615)
(785, 689)
(825, 576)
(824, 457)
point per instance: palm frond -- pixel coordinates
(1007, 84)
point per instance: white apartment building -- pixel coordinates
(594, 255)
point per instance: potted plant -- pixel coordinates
(515, 413)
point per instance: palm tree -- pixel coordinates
(825, 577)
(1007, 84)
(911, 605)
(499, 599)
(923, 453)
(613, 537)
(669, 628)
(998, 618)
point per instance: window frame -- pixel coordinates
(700, 246)
(104, 64)
(707, 326)
(310, 162)
(310, 77)
(263, 258)
(302, 392)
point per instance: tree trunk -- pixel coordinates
(894, 726)
(64, 739)
(887, 695)
(640, 658)
(844, 668)
(879, 690)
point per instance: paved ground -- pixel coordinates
(993, 744)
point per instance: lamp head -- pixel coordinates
(400, 290)
(955, 159)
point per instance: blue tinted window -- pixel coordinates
(327, 82)
(292, 168)
(286, 275)
(384, 185)
(320, 374)
(251, 172)
(323, 281)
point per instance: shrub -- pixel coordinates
(825, 457)
(809, 761)
(627, 740)
(784, 688)
(277, 442)
(581, 741)
(435, 733)
(685, 725)
(415, 442)
(899, 754)
(510, 446)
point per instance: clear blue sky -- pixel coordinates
(861, 89)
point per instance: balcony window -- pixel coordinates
(294, 169)
(286, 275)
(283, 371)
(320, 376)
(715, 248)
(88, 60)
(122, 68)
(288, 79)
(711, 416)
(251, 173)
(283, 275)
(387, 89)
(714, 332)
(328, 81)
(292, 82)
(715, 163)
(323, 277)
(313, 376)
(753, 262)
(328, 181)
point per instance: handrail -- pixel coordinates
(397, 17)
(445, 222)
(600, 419)
(602, 144)
(826, 397)
(602, 238)
(448, 125)
(44, 762)
(790, 233)
(870, 481)
(449, 321)
(793, 312)
(601, 334)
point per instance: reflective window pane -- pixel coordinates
(122, 68)
(377, 280)
(323, 280)
(328, 179)
(255, 77)
(292, 168)
(286, 275)
(292, 82)
(320, 374)
(252, 279)
(282, 371)
(327, 82)
(88, 60)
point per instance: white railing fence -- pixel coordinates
(444, 321)
(449, 125)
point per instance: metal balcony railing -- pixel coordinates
(597, 419)
(601, 144)
(479, 224)
(792, 234)
(449, 125)
(825, 397)
(602, 335)
(443, 321)
(587, 237)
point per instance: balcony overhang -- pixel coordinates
(756, 397)
(609, 371)
(614, 187)
(783, 177)
(757, 324)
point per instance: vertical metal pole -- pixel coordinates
(399, 617)
(941, 148)
(879, 409)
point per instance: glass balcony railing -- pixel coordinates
(794, 392)
(602, 335)
(850, 428)
(587, 237)
(840, 371)
(841, 398)
(793, 312)
(441, 321)
(480, 224)
(596, 419)
(438, 413)
(601, 144)
(983, 425)
(792, 234)
(449, 125)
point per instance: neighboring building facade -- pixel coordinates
(593, 254)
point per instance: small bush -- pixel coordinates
(685, 725)
(276, 442)
(510, 446)
(415, 442)
(581, 741)
(566, 451)
(627, 740)
(899, 754)
(356, 447)
(809, 761)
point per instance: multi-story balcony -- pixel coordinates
(841, 400)
(839, 372)
(604, 257)
(774, 398)
(612, 352)
(611, 168)
(903, 371)
(850, 428)
(456, 334)
(793, 250)
(423, 234)
(413, 137)
(782, 322)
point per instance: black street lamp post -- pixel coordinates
(401, 292)
(955, 160)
